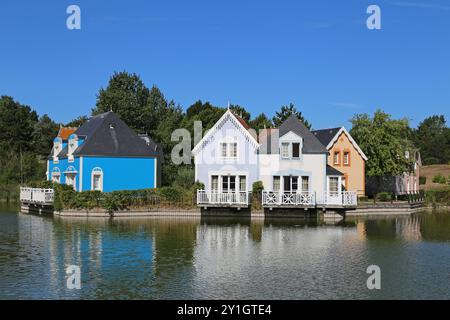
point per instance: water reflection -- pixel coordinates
(242, 258)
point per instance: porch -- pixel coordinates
(232, 199)
(36, 196)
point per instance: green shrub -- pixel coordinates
(171, 193)
(185, 177)
(438, 196)
(384, 196)
(363, 198)
(422, 180)
(258, 186)
(439, 178)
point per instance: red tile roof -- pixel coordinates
(65, 132)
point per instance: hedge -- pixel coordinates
(67, 198)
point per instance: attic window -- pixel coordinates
(296, 150)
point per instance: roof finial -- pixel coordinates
(110, 109)
(228, 105)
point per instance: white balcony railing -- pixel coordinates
(36, 195)
(222, 198)
(276, 198)
(288, 198)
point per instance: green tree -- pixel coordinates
(77, 122)
(127, 96)
(432, 137)
(285, 112)
(241, 112)
(384, 141)
(45, 131)
(260, 122)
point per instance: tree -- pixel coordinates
(127, 96)
(260, 122)
(432, 137)
(45, 131)
(241, 112)
(384, 141)
(287, 111)
(77, 122)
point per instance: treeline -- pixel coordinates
(26, 138)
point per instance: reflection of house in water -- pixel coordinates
(408, 229)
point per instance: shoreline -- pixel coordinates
(197, 212)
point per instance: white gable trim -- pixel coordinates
(210, 134)
(353, 142)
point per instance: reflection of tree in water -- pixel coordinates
(380, 229)
(435, 227)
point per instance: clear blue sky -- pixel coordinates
(259, 54)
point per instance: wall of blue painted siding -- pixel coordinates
(120, 173)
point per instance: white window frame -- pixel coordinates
(97, 171)
(228, 142)
(285, 147)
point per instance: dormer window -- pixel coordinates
(72, 146)
(57, 147)
(290, 150)
(285, 150)
(296, 150)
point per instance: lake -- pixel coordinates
(224, 258)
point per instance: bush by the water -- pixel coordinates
(439, 178)
(438, 196)
(384, 196)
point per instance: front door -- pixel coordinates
(334, 192)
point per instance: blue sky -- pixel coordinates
(259, 54)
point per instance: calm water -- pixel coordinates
(193, 258)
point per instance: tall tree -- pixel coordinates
(432, 137)
(260, 122)
(241, 112)
(45, 130)
(77, 122)
(286, 112)
(385, 141)
(127, 96)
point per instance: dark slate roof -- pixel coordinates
(107, 135)
(333, 172)
(310, 143)
(326, 135)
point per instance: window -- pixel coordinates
(215, 183)
(97, 179)
(344, 183)
(334, 184)
(336, 156)
(228, 150)
(276, 183)
(233, 151)
(242, 183)
(305, 184)
(296, 150)
(70, 180)
(56, 176)
(294, 181)
(285, 150)
(346, 158)
(223, 149)
(228, 183)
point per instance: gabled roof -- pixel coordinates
(329, 138)
(65, 132)
(333, 172)
(241, 125)
(326, 135)
(310, 143)
(107, 135)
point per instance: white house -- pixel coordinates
(289, 160)
(226, 162)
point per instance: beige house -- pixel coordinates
(346, 156)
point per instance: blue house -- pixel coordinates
(105, 154)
